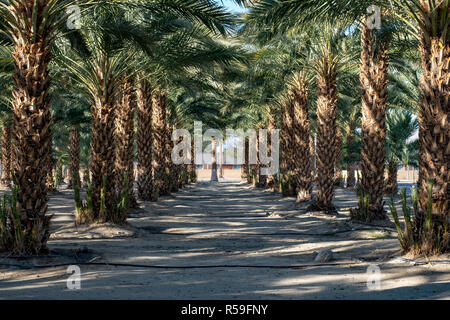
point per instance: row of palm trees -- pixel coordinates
(411, 31)
(127, 55)
(315, 68)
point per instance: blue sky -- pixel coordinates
(233, 7)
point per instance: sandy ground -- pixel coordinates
(223, 241)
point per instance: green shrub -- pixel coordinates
(423, 232)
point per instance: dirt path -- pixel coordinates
(222, 241)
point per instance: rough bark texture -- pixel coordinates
(374, 80)
(272, 179)
(434, 117)
(326, 135)
(32, 121)
(145, 142)
(174, 169)
(287, 142)
(245, 166)
(86, 176)
(312, 148)
(213, 160)
(124, 139)
(351, 181)
(392, 185)
(51, 164)
(301, 148)
(159, 143)
(192, 166)
(350, 139)
(74, 155)
(103, 155)
(261, 180)
(6, 155)
(338, 179)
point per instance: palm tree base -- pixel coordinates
(367, 215)
(316, 208)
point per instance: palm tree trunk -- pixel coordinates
(220, 158)
(272, 180)
(350, 165)
(351, 181)
(145, 142)
(51, 165)
(338, 180)
(287, 142)
(434, 128)
(392, 185)
(192, 166)
(326, 136)
(124, 139)
(374, 79)
(213, 161)
(74, 155)
(159, 121)
(174, 169)
(6, 155)
(261, 180)
(86, 177)
(32, 121)
(302, 154)
(103, 160)
(245, 166)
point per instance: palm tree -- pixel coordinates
(144, 138)
(213, 160)
(400, 127)
(99, 74)
(6, 154)
(74, 153)
(70, 109)
(287, 141)
(159, 125)
(374, 76)
(124, 138)
(428, 21)
(6, 71)
(272, 180)
(338, 180)
(302, 155)
(31, 107)
(326, 66)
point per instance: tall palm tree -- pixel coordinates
(144, 138)
(287, 141)
(374, 78)
(272, 179)
(159, 125)
(301, 146)
(338, 180)
(400, 128)
(426, 20)
(99, 75)
(6, 154)
(326, 66)
(74, 153)
(124, 137)
(214, 160)
(32, 27)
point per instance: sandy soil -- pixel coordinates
(222, 241)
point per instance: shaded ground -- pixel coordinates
(222, 241)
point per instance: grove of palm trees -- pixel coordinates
(121, 123)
